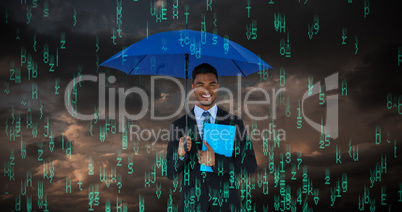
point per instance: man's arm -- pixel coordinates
(243, 157)
(173, 163)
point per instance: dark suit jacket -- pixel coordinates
(218, 190)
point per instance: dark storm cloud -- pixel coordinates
(52, 150)
(371, 82)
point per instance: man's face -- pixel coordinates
(205, 88)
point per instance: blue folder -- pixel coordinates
(221, 138)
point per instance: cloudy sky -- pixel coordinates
(49, 42)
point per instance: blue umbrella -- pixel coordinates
(165, 54)
(174, 53)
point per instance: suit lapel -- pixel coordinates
(194, 130)
(219, 114)
(219, 117)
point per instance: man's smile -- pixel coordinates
(206, 95)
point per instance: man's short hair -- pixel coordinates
(203, 69)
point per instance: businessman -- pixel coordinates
(208, 191)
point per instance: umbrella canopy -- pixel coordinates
(164, 54)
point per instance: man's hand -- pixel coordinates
(180, 150)
(206, 157)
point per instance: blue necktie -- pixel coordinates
(207, 116)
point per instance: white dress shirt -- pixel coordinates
(199, 118)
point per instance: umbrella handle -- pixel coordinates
(185, 139)
(185, 143)
(186, 77)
